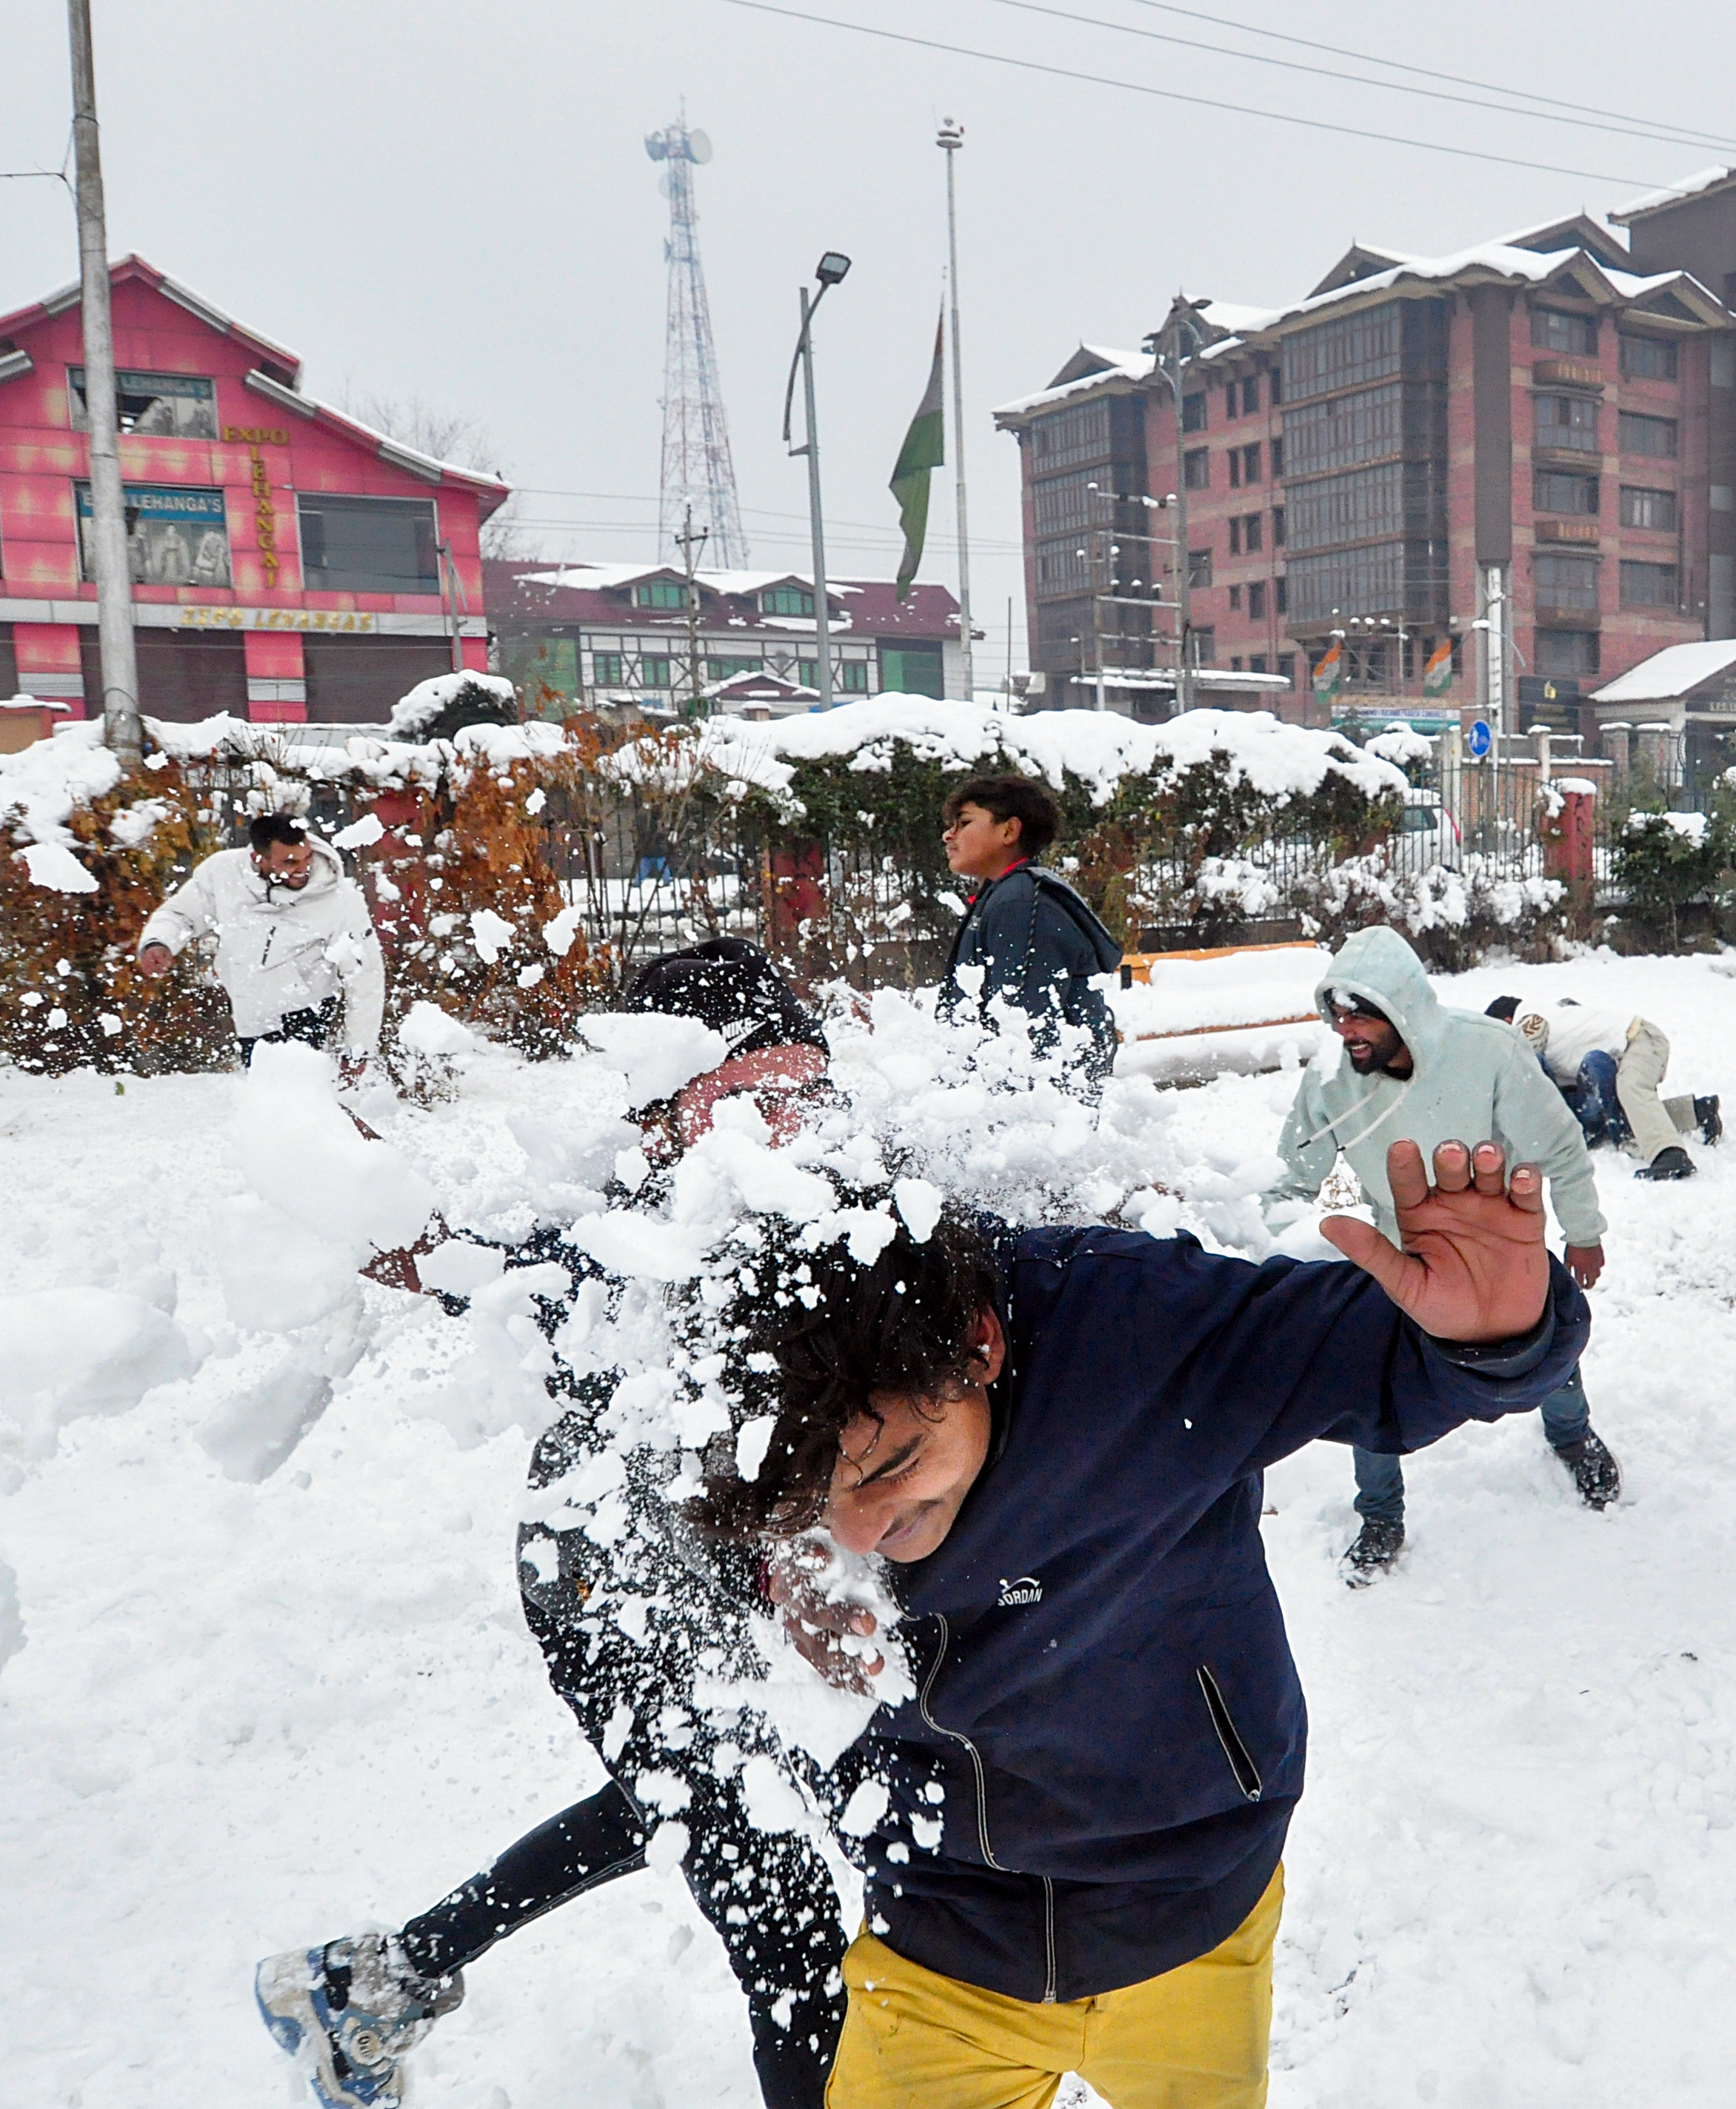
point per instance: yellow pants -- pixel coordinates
(1195, 2038)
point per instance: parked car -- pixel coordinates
(1427, 834)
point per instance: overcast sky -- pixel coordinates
(453, 200)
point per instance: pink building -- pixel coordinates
(288, 564)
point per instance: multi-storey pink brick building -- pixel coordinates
(289, 563)
(1520, 454)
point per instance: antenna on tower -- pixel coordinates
(696, 471)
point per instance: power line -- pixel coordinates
(1197, 102)
(1656, 135)
(1431, 73)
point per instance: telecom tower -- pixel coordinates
(696, 471)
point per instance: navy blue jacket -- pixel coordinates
(1038, 944)
(1094, 1782)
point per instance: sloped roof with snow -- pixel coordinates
(1705, 179)
(1672, 674)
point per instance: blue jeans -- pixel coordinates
(1380, 1479)
(1593, 1098)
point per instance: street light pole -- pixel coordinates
(829, 271)
(118, 651)
(1181, 331)
(950, 138)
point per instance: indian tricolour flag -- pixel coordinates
(1327, 673)
(1437, 676)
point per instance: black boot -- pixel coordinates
(1671, 1164)
(1595, 1473)
(1377, 1547)
(1706, 1112)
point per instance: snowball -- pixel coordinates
(657, 1053)
(667, 1849)
(627, 1243)
(865, 1808)
(920, 1204)
(72, 1352)
(426, 1029)
(360, 833)
(491, 934)
(558, 934)
(299, 1150)
(459, 1266)
(772, 1802)
(752, 1440)
(52, 865)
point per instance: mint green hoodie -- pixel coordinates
(1475, 1080)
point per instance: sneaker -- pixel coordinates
(350, 2011)
(1595, 1472)
(1671, 1164)
(1706, 1112)
(1376, 1548)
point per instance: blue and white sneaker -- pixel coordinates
(349, 2012)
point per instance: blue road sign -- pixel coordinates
(1481, 739)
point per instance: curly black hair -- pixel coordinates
(1012, 798)
(815, 1335)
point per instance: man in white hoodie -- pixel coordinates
(295, 945)
(1411, 1069)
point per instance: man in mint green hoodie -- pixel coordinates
(1411, 1068)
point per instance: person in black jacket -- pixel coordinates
(1026, 936)
(1057, 1436)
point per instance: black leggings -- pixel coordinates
(790, 1972)
(312, 1027)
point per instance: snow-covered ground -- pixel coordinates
(251, 1712)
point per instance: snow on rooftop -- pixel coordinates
(1123, 366)
(1705, 179)
(600, 578)
(1671, 673)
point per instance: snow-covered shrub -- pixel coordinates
(1661, 861)
(1451, 917)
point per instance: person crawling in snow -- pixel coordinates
(1412, 1066)
(297, 951)
(639, 1618)
(1027, 937)
(1055, 1439)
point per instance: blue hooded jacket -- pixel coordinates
(1094, 1779)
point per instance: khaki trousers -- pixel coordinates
(1195, 2038)
(1657, 1125)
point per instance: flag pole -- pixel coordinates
(950, 139)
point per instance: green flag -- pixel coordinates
(924, 451)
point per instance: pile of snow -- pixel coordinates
(42, 787)
(412, 715)
(77, 1351)
(1400, 744)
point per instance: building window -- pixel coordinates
(1648, 586)
(1236, 665)
(1647, 508)
(654, 671)
(784, 600)
(607, 670)
(1277, 459)
(1235, 468)
(1257, 601)
(1568, 653)
(1647, 435)
(1648, 358)
(1197, 469)
(1281, 597)
(1251, 464)
(1253, 534)
(1079, 434)
(1565, 582)
(1372, 579)
(1569, 422)
(726, 669)
(1194, 411)
(1235, 600)
(1553, 330)
(1559, 490)
(853, 677)
(1229, 399)
(1250, 396)
(384, 545)
(1199, 567)
(912, 670)
(177, 406)
(1277, 526)
(1287, 665)
(1061, 568)
(807, 673)
(174, 538)
(660, 593)
(1349, 430)
(1341, 355)
(1205, 646)
(1257, 664)
(1235, 535)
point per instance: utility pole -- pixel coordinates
(449, 590)
(1176, 344)
(691, 544)
(950, 139)
(118, 652)
(829, 270)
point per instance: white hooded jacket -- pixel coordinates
(280, 950)
(1474, 1080)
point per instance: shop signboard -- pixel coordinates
(179, 406)
(175, 537)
